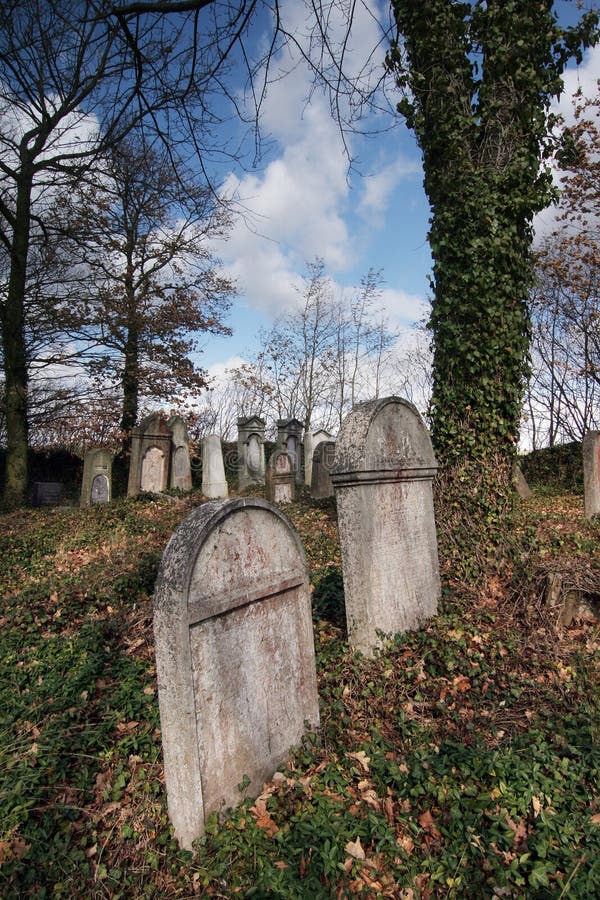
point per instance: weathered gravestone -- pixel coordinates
(150, 456)
(322, 461)
(214, 483)
(181, 472)
(96, 485)
(46, 493)
(234, 653)
(382, 474)
(251, 451)
(591, 473)
(520, 482)
(311, 442)
(280, 485)
(289, 438)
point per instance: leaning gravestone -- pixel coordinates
(181, 471)
(150, 456)
(382, 474)
(280, 481)
(322, 461)
(214, 483)
(96, 485)
(591, 473)
(251, 451)
(234, 654)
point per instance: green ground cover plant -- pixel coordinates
(462, 761)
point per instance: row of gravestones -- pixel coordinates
(232, 616)
(160, 459)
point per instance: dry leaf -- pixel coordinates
(355, 849)
(361, 758)
(537, 807)
(595, 820)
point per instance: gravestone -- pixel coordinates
(322, 461)
(251, 451)
(234, 655)
(280, 482)
(46, 493)
(382, 475)
(181, 472)
(520, 482)
(150, 456)
(311, 442)
(289, 438)
(591, 473)
(214, 483)
(96, 485)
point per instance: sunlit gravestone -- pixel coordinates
(251, 451)
(235, 656)
(214, 483)
(96, 485)
(181, 471)
(150, 456)
(382, 475)
(280, 484)
(591, 473)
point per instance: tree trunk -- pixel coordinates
(15, 357)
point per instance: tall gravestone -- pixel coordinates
(289, 438)
(214, 483)
(591, 473)
(311, 442)
(251, 451)
(181, 471)
(322, 462)
(96, 485)
(280, 482)
(382, 474)
(234, 654)
(150, 456)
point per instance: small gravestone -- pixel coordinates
(382, 474)
(289, 438)
(280, 482)
(322, 461)
(214, 483)
(520, 482)
(96, 485)
(181, 471)
(251, 451)
(234, 655)
(150, 456)
(46, 493)
(591, 473)
(311, 442)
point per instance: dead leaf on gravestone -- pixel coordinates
(361, 758)
(355, 849)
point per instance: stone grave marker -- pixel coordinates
(150, 456)
(520, 482)
(289, 438)
(591, 473)
(382, 475)
(181, 471)
(96, 485)
(322, 461)
(311, 442)
(251, 451)
(281, 481)
(234, 654)
(46, 493)
(214, 483)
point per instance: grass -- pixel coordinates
(463, 761)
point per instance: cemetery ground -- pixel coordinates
(462, 761)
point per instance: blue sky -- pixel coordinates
(303, 202)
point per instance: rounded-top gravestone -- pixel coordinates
(234, 653)
(382, 474)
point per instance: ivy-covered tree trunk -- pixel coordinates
(479, 79)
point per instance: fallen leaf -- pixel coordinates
(537, 807)
(595, 820)
(361, 758)
(355, 849)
